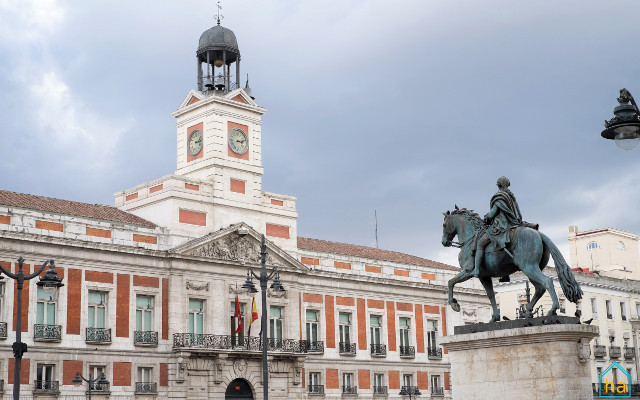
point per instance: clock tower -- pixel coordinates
(218, 177)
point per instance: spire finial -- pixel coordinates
(219, 17)
(247, 85)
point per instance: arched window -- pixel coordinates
(621, 246)
(592, 246)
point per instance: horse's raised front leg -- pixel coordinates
(462, 276)
(488, 287)
(536, 296)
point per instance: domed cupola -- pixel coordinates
(217, 51)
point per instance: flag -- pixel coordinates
(238, 316)
(254, 312)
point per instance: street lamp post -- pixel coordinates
(50, 282)
(624, 127)
(101, 380)
(263, 278)
(410, 391)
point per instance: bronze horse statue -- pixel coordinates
(528, 251)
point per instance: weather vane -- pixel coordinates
(220, 17)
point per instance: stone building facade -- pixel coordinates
(150, 285)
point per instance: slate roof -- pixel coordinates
(326, 246)
(67, 207)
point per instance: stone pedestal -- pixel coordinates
(534, 362)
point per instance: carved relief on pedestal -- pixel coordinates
(469, 315)
(584, 350)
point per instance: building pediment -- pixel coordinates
(238, 243)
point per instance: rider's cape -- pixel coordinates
(507, 217)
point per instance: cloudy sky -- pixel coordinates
(404, 107)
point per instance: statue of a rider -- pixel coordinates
(504, 214)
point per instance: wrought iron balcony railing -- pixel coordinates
(227, 342)
(437, 391)
(146, 387)
(97, 387)
(609, 316)
(378, 350)
(148, 338)
(599, 350)
(98, 335)
(347, 348)
(629, 353)
(47, 333)
(312, 347)
(349, 390)
(407, 351)
(614, 352)
(316, 389)
(1, 385)
(3, 330)
(380, 390)
(46, 387)
(434, 353)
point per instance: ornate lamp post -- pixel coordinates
(49, 282)
(410, 391)
(624, 127)
(101, 380)
(263, 278)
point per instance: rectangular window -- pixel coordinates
(431, 333)
(46, 307)
(594, 308)
(637, 310)
(94, 373)
(44, 377)
(144, 374)
(344, 328)
(237, 339)
(275, 324)
(435, 381)
(97, 309)
(312, 326)
(196, 316)
(404, 332)
(376, 327)
(407, 380)
(378, 382)
(314, 383)
(623, 310)
(144, 313)
(608, 309)
(347, 382)
(1, 301)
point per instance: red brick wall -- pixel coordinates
(192, 187)
(145, 239)
(164, 374)
(342, 265)
(277, 202)
(330, 323)
(25, 299)
(419, 329)
(98, 232)
(391, 325)
(24, 371)
(194, 100)
(131, 196)
(362, 325)
(371, 268)
(447, 385)
(312, 298)
(245, 129)
(431, 310)
(165, 308)
(239, 98)
(146, 281)
(344, 301)
(278, 231)
(5, 219)
(74, 297)
(423, 380)
(364, 379)
(69, 369)
(431, 277)
(309, 261)
(237, 186)
(332, 379)
(404, 307)
(122, 308)
(186, 142)
(401, 272)
(192, 217)
(379, 304)
(121, 374)
(155, 188)
(394, 379)
(95, 276)
(444, 325)
(51, 226)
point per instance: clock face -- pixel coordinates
(238, 141)
(194, 144)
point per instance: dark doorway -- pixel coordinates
(238, 389)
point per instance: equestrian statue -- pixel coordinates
(501, 244)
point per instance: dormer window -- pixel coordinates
(621, 246)
(593, 246)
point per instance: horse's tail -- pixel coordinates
(570, 287)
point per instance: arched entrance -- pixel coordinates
(238, 389)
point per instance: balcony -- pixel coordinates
(347, 349)
(98, 388)
(614, 352)
(599, 351)
(380, 390)
(609, 316)
(1, 385)
(437, 391)
(349, 390)
(98, 335)
(49, 387)
(146, 388)
(629, 353)
(3, 330)
(47, 333)
(312, 347)
(434, 353)
(145, 338)
(235, 343)
(407, 351)
(378, 350)
(316, 389)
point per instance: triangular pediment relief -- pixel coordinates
(192, 97)
(238, 243)
(241, 96)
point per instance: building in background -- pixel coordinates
(150, 285)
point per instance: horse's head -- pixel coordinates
(448, 229)
(461, 222)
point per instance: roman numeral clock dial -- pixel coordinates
(238, 142)
(194, 144)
